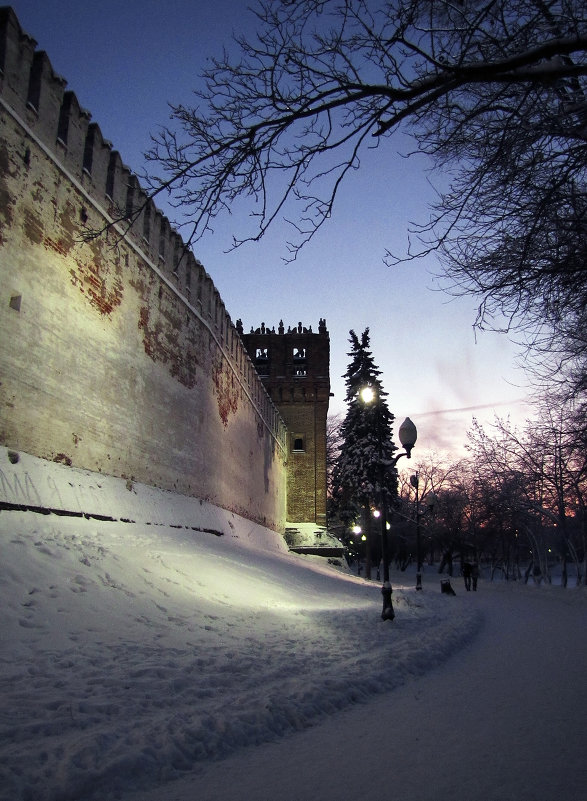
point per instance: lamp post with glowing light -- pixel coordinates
(407, 436)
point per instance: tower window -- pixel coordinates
(298, 443)
(262, 361)
(299, 360)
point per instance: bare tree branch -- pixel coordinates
(494, 91)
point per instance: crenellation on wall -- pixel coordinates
(162, 229)
(68, 139)
(197, 273)
(96, 159)
(135, 198)
(115, 185)
(189, 273)
(145, 222)
(17, 51)
(44, 97)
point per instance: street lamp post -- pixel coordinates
(415, 482)
(407, 436)
(431, 500)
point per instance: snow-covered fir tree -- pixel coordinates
(361, 472)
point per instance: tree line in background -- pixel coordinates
(517, 504)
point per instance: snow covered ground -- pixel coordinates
(147, 662)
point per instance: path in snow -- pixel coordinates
(504, 720)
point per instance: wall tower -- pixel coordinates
(294, 366)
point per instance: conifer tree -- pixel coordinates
(361, 476)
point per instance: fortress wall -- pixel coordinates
(117, 354)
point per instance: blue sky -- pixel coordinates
(127, 61)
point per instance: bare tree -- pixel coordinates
(559, 461)
(492, 90)
(534, 483)
(439, 493)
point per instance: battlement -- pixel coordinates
(36, 95)
(292, 330)
(288, 360)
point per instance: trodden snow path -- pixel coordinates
(503, 720)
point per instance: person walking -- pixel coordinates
(475, 575)
(467, 571)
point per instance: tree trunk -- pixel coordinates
(367, 530)
(446, 561)
(529, 571)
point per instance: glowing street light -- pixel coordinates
(408, 435)
(367, 395)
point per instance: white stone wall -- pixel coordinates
(105, 364)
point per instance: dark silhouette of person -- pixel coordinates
(475, 575)
(467, 573)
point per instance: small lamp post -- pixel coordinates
(430, 503)
(407, 436)
(415, 482)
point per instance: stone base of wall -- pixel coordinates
(30, 483)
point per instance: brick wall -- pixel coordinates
(294, 365)
(116, 352)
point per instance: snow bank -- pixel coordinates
(132, 652)
(29, 482)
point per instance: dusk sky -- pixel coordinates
(127, 61)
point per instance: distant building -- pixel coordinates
(294, 366)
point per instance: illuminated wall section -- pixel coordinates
(116, 353)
